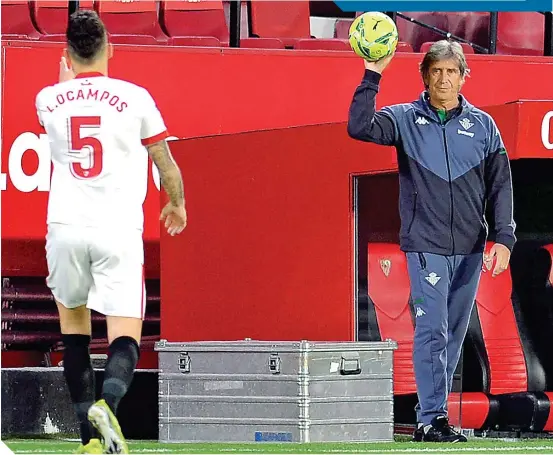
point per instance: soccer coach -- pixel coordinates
(452, 164)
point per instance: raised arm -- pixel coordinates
(365, 123)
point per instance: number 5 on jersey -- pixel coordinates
(89, 147)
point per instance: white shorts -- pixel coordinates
(97, 267)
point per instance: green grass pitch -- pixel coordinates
(475, 445)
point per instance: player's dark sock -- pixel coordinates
(79, 376)
(122, 359)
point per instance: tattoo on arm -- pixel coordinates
(169, 172)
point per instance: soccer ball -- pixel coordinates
(373, 36)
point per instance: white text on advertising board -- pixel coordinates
(546, 131)
(40, 180)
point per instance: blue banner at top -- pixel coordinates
(445, 5)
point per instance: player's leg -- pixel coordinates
(119, 293)
(430, 277)
(429, 282)
(124, 352)
(69, 280)
(464, 285)
(124, 338)
(78, 372)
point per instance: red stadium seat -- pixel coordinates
(196, 41)
(477, 28)
(141, 40)
(392, 318)
(139, 17)
(323, 44)
(17, 19)
(513, 371)
(287, 20)
(520, 33)
(389, 292)
(341, 28)
(471, 26)
(414, 34)
(404, 47)
(51, 15)
(425, 47)
(456, 23)
(187, 19)
(261, 43)
(498, 327)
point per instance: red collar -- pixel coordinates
(92, 74)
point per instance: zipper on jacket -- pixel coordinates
(450, 190)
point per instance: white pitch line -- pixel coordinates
(134, 451)
(456, 449)
(409, 450)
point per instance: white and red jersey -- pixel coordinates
(97, 129)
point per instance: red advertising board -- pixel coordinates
(526, 127)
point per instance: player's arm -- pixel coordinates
(174, 213)
(153, 133)
(364, 122)
(500, 189)
(169, 172)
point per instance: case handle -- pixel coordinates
(350, 365)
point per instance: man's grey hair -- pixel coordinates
(444, 50)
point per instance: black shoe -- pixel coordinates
(418, 434)
(442, 431)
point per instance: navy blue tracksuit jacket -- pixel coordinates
(448, 171)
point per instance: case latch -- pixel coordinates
(274, 363)
(184, 362)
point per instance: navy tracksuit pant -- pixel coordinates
(443, 290)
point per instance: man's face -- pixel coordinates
(444, 80)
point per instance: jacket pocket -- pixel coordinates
(422, 261)
(414, 211)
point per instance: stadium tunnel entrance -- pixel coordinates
(375, 200)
